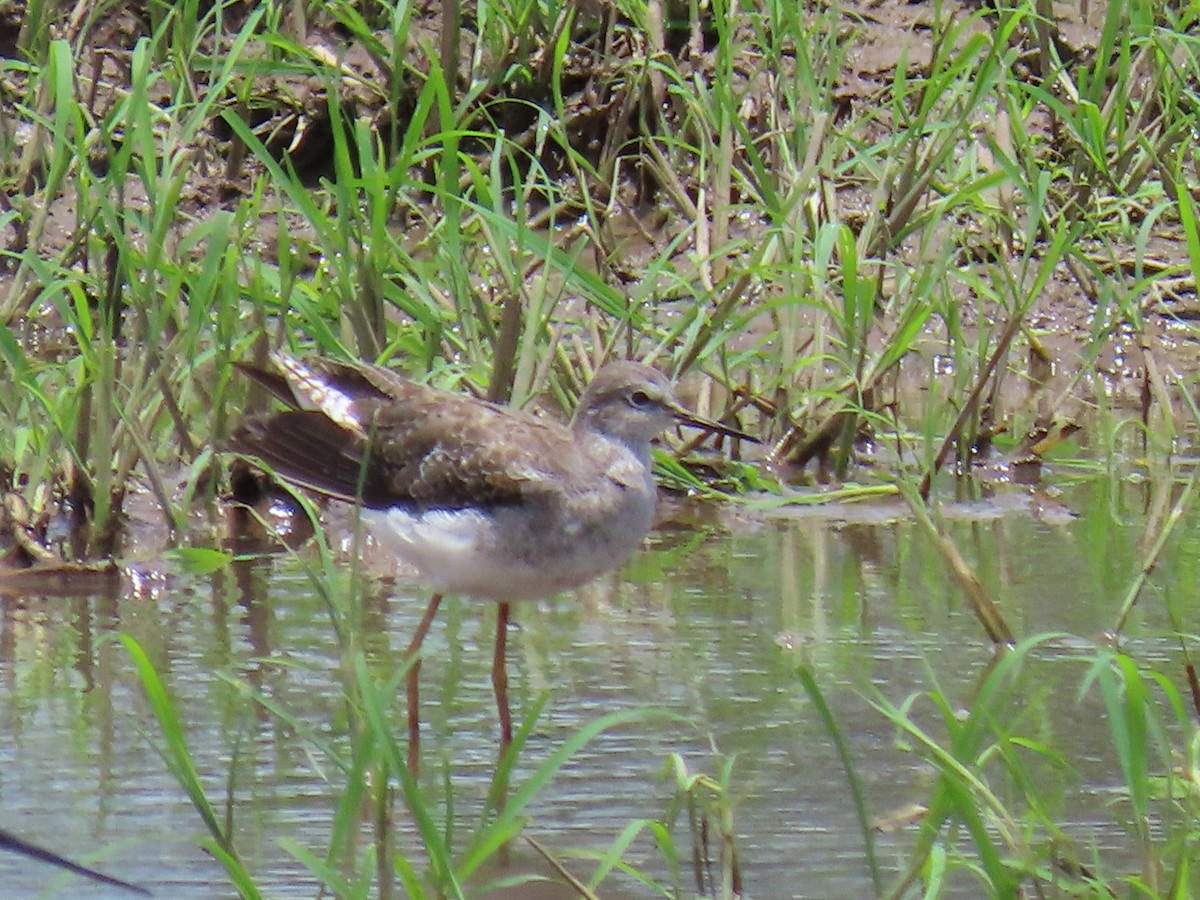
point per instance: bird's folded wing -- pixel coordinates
(364, 434)
(462, 452)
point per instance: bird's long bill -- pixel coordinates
(686, 417)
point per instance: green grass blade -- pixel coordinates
(375, 710)
(809, 682)
(508, 821)
(176, 753)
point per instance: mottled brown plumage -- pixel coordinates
(400, 443)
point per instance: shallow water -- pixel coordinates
(709, 623)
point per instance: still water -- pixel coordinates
(709, 623)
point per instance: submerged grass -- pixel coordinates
(850, 255)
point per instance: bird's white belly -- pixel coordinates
(498, 556)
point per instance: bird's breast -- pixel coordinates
(520, 552)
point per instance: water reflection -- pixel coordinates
(709, 625)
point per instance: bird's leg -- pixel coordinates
(413, 658)
(500, 678)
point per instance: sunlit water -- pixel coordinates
(709, 624)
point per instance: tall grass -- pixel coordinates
(816, 245)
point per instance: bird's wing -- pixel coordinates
(459, 452)
(365, 434)
(312, 451)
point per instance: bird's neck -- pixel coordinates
(590, 432)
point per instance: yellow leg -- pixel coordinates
(412, 655)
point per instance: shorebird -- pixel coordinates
(485, 501)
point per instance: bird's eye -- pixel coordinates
(639, 399)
